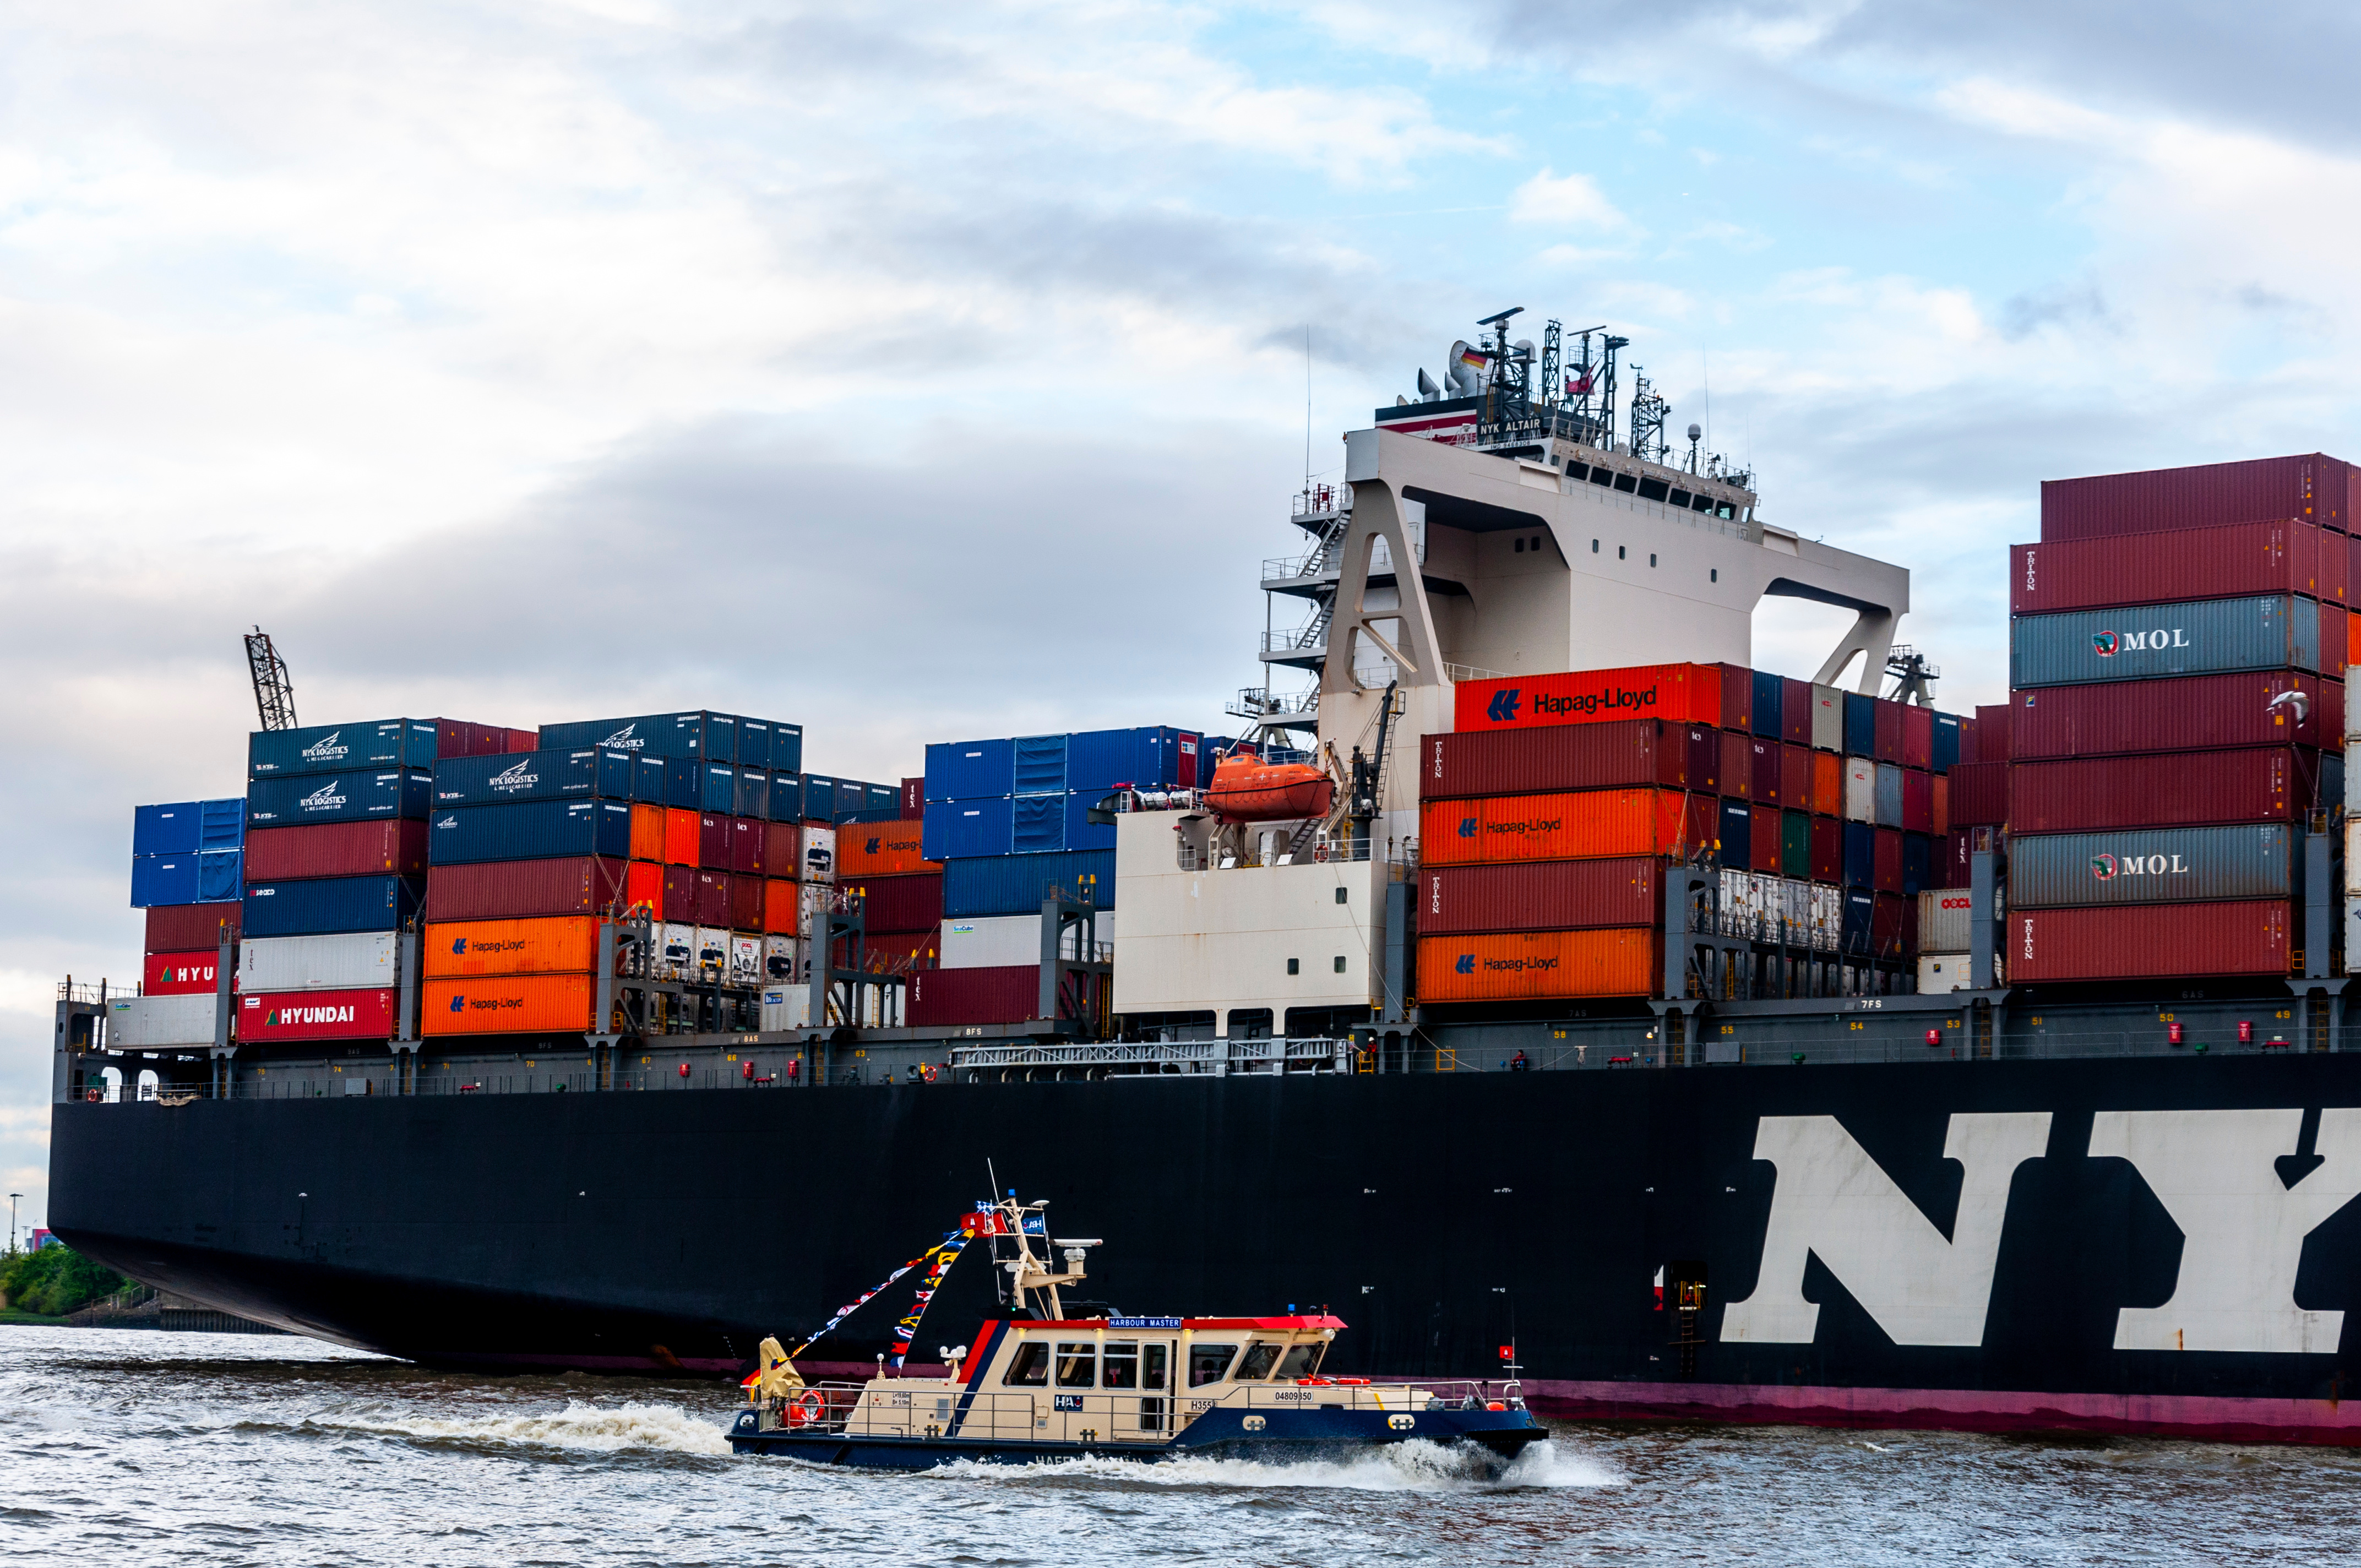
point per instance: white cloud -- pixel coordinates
(1563, 201)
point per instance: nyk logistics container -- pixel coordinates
(1534, 897)
(181, 974)
(529, 831)
(507, 1004)
(316, 1016)
(2190, 714)
(2141, 941)
(700, 737)
(2262, 783)
(2279, 556)
(535, 775)
(354, 960)
(2267, 631)
(339, 797)
(2311, 487)
(550, 945)
(370, 746)
(2152, 865)
(496, 890)
(1589, 825)
(391, 846)
(330, 905)
(1680, 693)
(1511, 966)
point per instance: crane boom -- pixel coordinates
(274, 693)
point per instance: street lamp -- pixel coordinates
(12, 1219)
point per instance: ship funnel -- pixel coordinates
(1427, 391)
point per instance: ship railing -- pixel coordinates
(1299, 640)
(1322, 500)
(1120, 1058)
(1292, 568)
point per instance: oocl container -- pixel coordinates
(316, 1016)
(2170, 790)
(1568, 756)
(395, 846)
(2149, 941)
(2153, 865)
(2311, 487)
(1945, 920)
(354, 960)
(2268, 632)
(1511, 966)
(2280, 556)
(507, 1004)
(553, 945)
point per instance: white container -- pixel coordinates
(1827, 719)
(142, 1023)
(2352, 867)
(709, 954)
(675, 954)
(1003, 941)
(1938, 972)
(819, 855)
(1943, 923)
(781, 962)
(785, 1008)
(1827, 917)
(746, 961)
(1860, 790)
(361, 959)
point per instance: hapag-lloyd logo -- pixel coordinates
(461, 947)
(514, 778)
(1503, 706)
(324, 799)
(325, 749)
(2107, 645)
(459, 1003)
(1468, 963)
(1535, 825)
(2105, 868)
(624, 740)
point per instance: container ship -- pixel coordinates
(1553, 991)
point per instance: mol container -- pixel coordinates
(566, 944)
(1534, 897)
(181, 974)
(2262, 783)
(2152, 865)
(2310, 487)
(353, 961)
(1511, 966)
(2280, 556)
(142, 1022)
(316, 1016)
(2266, 631)
(507, 1004)
(1591, 825)
(2150, 941)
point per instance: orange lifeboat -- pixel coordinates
(1247, 789)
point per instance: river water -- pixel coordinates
(122, 1447)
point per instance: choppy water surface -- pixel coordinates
(199, 1449)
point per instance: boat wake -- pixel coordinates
(1398, 1467)
(600, 1427)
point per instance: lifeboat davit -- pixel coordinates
(1247, 789)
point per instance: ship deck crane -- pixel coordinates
(274, 693)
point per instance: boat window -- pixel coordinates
(1154, 1365)
(1077, 1363)
(1208, 1363)
(1031, 1367)
(1653, 489)
(1259, 1358)
(1302, 1358)
(1122, 1365)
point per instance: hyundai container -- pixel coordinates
(316, 1016)
(2263, 784)
(2152, 865)
(181, 974)
(354, 960)
(2150, 941)
(2269, 631)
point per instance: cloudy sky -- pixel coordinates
(941, 372)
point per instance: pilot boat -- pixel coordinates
(1039, 1384)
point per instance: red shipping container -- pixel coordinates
(1917, 736)
(1704, 769)
(1539, 897)
(747, 846)
(780, 913)
(521, 740)
(1764, 771)
(914, 799)
(941, 996)
(1795, 712)
(1969, 731)
(1827, 849)
(783, 848)
(1918, 801)
(2335, 641)
(1886, 746)
(1828, 784)
(1955, 860)
(1762, 841)
(2190, 713)
(2170, 789)
(502, 890)
(2140, 942)
(1557, 757)
(2280, 556)
(1889, 917)
(183, 927)
(1992, 733)
(315, 1015)
(896, 952)
(684, 831)
(1980, 795)
(1885, 863)
(644, 886)
(679, 895)
(456, 737)
(1736, 766)
(746, 903)
(901, 903)
(1795, 777)
(710, 897)
(1939, 804)
(1737, 696)
(2311, 486)
(713, 836)
(376, 848)
(1683, 692)
(181, 974)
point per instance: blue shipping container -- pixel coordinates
(529, 831)
(965, 829)
(787, 796)
(1860, 725)
(221, 824)
(1885, 795)
(2269, 631)
(717, 789)
(1014, 884)
(754, 798)
(971, 770)
(220, 876)
(1947, 742)
(648, 784)
(326, 904)
(786, 747)
(371, 743)
(341, 798)
(1860, 904)
(1737, 834)
(1860, 854)
(1038, 764)
(171, 829)
(700, 736)
(1036, 824)
(1144, 756)
(158, 879)
(1917, 864)
(1770, 701)
(753, 744)
(534, 775)
(851, 797)
(819, 798)
(1082, 833)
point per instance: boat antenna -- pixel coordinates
(1307, 406)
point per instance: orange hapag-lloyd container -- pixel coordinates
(563, 944)
(1580, 824)
(1515, 964)
(880, 849)
(684, 836)
(1684, 693)
(507, 1004)
(647, 832)
(1827, 784)
(781, 909)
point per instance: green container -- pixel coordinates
(1796, 845)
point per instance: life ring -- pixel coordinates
(98, 1096)
(805, 1409)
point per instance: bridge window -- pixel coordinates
(1302, 1359)
(1340, 963)
(1653, 489)
(1577, 471)
(1593, 547)
(1626, 483)
(1295, 966)
(1713, 575)
(1652, 557)
(1031, 1367)
(1520, 547)
(1122, 1369)
(1702, 503)
(1077, 1363)
(1209, 1362)
(1602, 475)
(1259, 1358)
(1681, 499)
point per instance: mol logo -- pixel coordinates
(2104, 867)
(624, 739)
(1467, 964)
(2156, 639)
(324, 799)
(325, 749)
(515, 777)
(2104, 643)
(1503, 708)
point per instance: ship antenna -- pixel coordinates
(1307, 406)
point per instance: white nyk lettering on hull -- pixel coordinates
(1833, 1201)
(2243, 1227)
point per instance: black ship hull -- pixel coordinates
(2157, 1245)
